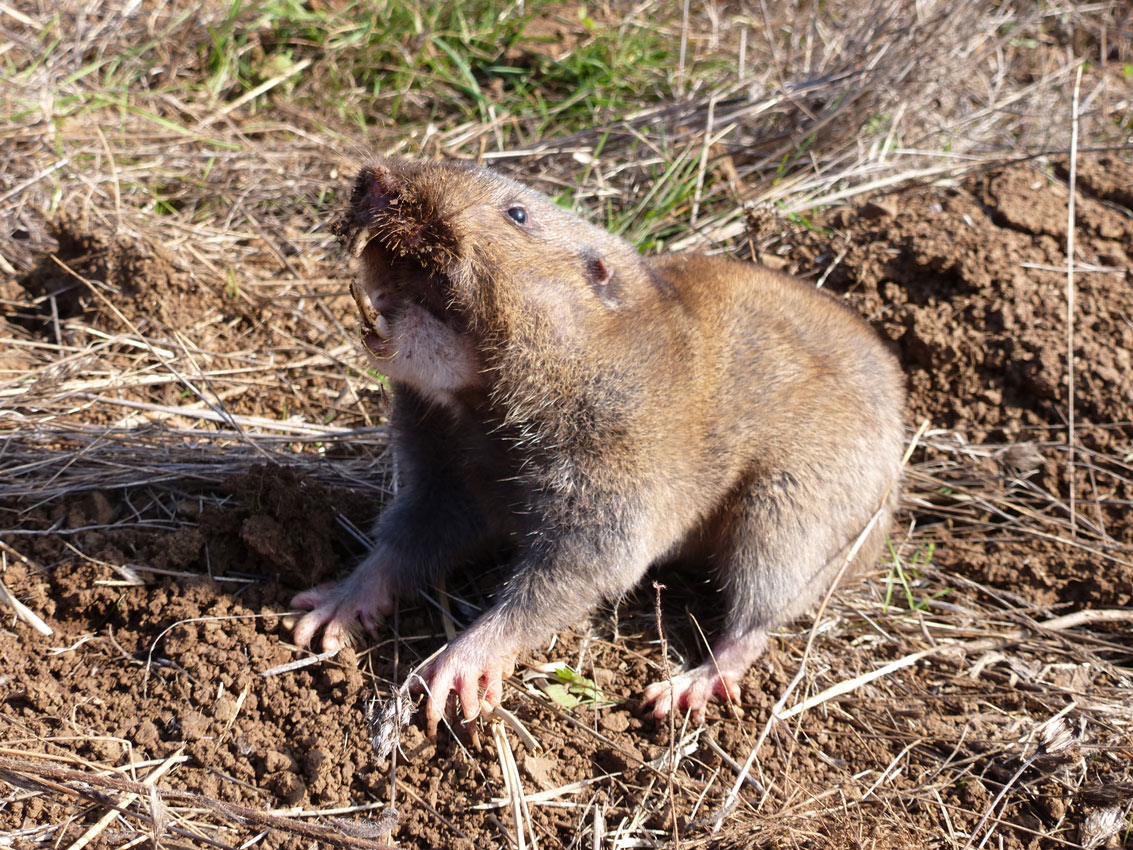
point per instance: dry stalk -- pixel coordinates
(1070, 228)
(674, 709)
(80, 782)
(123, 800)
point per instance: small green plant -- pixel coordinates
(907, 575)
(231, 285)
(802, 219)
(379, 378)
(569, 689)
(878, 125)
(791, 157)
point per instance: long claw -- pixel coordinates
(361, 601)
(469, 675)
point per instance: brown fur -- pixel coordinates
(606, 412)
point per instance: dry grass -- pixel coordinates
(224, 191)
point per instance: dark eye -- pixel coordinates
(518, 215)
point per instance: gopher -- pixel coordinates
(596, 412)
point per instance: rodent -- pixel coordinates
(599, 412)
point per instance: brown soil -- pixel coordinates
(969, 286)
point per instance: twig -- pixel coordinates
(511, 783)
(238, 422)
(526, 738)
(546, 796)
(703, 166)
(19, 770)
(683, 49)
(732, 763)
(22, 610)
(673, 709)
(124, 800)
(300, 663)
(855, 683)
(1070, 219)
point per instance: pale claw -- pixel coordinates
(363, 600)
(692, 691)
(464, 670)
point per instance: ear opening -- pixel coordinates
(597, 270)
(602, 278)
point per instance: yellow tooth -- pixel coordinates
(381, 326)
(365, 306)
(361, 240)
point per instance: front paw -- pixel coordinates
(470, 672)
(358, 603)
(692, 691)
